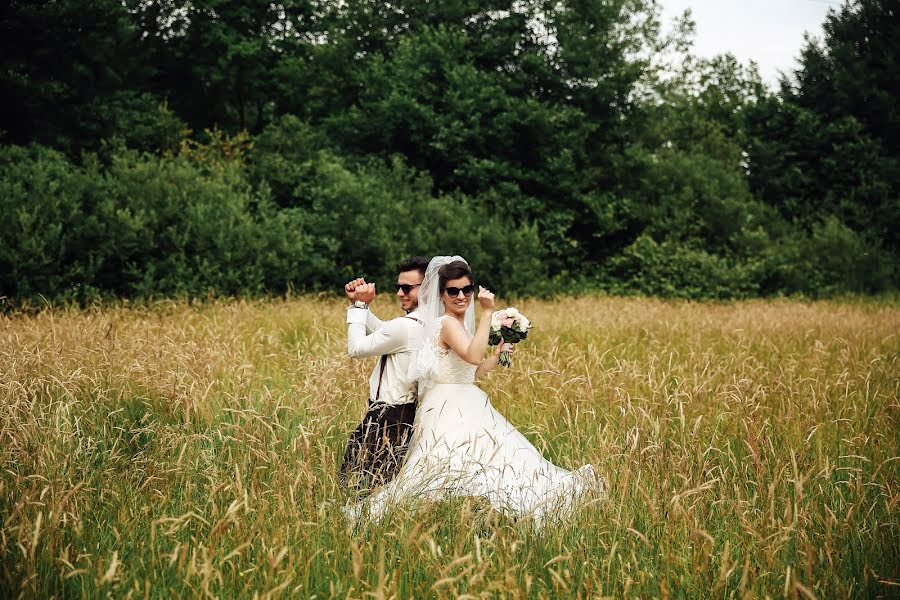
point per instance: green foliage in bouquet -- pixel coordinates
(510, 335)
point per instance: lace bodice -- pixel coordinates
(453, 369)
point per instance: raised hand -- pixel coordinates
(485, 298)
(365, 293)
(351, 287)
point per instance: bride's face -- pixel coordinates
(457, 305)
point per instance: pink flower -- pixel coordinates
(507, 321)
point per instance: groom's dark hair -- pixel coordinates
(414, 263)
(453, 270)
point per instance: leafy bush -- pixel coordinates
(831, 259)
(193, 225)
(233, 217)
(367, 217)
(283, 158)
(185, 233)
(143, 226)
(47, 236)
(672, 270)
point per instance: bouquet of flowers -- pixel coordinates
(508, 326)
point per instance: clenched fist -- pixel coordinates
(365, 293)
(485, 298)
(351, 287)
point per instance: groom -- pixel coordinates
(377, 447)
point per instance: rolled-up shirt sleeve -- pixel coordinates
(392, 336)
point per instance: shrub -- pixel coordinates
(830, 259)
(192, 225)
(283, 158)
(144, 226)
(368, 217)
(674, 270)
(48, 236)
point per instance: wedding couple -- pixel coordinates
(430, 432)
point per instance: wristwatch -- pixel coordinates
(358, 304)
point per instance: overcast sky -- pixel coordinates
(769, 32)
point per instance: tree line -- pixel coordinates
(155, 148)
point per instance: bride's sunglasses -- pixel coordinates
(406, 287)
(467, 291)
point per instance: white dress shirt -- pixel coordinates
(367, 335)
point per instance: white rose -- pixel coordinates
(512, 312)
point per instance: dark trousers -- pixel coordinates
(377, 447)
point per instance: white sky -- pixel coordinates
(769, 32)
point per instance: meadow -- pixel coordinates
(190, 450)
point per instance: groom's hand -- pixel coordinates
(351, 287)
(365, 292)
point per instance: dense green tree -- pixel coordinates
(525, 104)
(693, 226)
(283, 159)
(827, 144)
(238, 146)
(852, 72)
(72, 73)
(218, 61)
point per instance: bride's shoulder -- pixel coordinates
(440, 324)
(448, 325)
(448, 319)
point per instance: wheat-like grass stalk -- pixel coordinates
(190, 450)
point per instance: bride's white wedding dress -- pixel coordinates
(463, 447)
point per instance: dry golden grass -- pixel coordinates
(176, 450)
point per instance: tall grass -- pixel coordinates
(177, 450)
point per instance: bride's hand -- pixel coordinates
(511, 348)
(485, 298)
(493, 360)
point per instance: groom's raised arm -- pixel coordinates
(373, 323)
(352, 289)
(392, 336)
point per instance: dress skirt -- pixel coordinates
(462, 446)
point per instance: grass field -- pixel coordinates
(752, 450)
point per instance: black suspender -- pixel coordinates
(384, 364)
(380, 375)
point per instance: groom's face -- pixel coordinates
(409, 300)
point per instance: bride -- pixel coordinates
(462, 446)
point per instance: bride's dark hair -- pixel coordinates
(453, 270)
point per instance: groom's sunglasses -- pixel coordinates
(406, 287)
(467, 291)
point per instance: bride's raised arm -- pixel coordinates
(454, 336)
